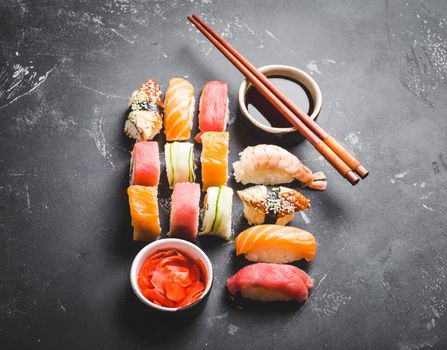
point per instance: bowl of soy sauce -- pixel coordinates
(296, 84)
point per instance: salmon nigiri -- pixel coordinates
(214, 159)
(271, 282)
(276, 244)
(179, 109)
(144, 212)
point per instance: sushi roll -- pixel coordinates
(276, 244)
(145, 164)
(271, 282)
(146, 110)
(179, 110)
(184, 220)
(276, 205)
(214, 159)
(144, 212)
(179, 157)
(213, 108)
(218, 204)
(273, 165)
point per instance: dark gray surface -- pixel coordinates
(67, 69)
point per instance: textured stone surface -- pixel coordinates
(67, 69)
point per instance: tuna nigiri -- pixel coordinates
(272, 165)
(213, 108)
(214, 159)
(275, 205)
(145, 118)
(185, 210)
(271, 282)
(145, 164)
(144, 212)
(276, 244)
(179, 110)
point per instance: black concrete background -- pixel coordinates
(67, 70)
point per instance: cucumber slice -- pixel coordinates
(179, 158)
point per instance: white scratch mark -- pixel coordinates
(322, 279)
(305, 217)
(427, 207)
(122, 36)
(232, 329)
(312, 66)
(99, 136)
(401, 175)
(101, 93)
(62, 307)
(353, 139)
(28, 199)
(271, 34)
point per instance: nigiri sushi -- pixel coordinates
(276, 244)
(185, 211)
(218, 204)
(145, 164)
(214, 158)
(276, 205)
(179, 160)
(179, 110)
(271, 282)
(213, 108)
(144, 212)
(146, 110)
(273, 165)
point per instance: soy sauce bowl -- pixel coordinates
(287, 72)
(185, 247)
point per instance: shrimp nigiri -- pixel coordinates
(276, 244)
(272, 165)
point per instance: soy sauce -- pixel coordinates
(264, 112)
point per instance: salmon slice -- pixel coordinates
(144, 212)
(214, 159)
(276, 244)
(179, 110)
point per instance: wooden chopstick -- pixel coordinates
(319, 145)
(347, 157)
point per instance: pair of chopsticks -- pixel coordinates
(344, 162)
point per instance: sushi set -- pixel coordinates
(172, 274)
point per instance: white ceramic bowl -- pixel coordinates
(191, 250)
(287, 72)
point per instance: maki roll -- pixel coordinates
(146, 110)
(214, 159)
(179, 110)
(216, 220)
(276, 205)
(179, 157)
(145, 164)
(213, 108)
(184, 220)
(144, 212)
(271, 282)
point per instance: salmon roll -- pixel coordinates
(276, 244)
(185, 208)
(214, 159)
(179, 110)
(213, 108)
(271, 282)
(144, 212)
(146, 111)
(145, 164)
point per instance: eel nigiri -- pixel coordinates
(218, 204)
(273, 165)
(276, 244)
(144, 212)
(179, 110)
(214, 159)
(213, 108)
(185, 211)
(271, 282)
(146, 110)
(276, 205)
(179, 157)
(145, 164)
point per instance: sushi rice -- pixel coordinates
(217, 212)
(179, 157)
